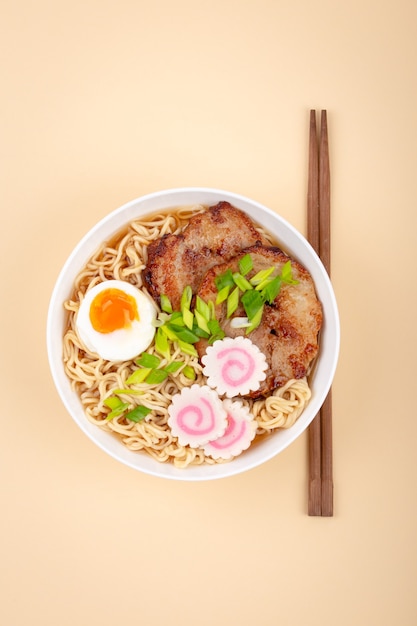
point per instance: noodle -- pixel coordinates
(95, 379)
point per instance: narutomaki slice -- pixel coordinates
(240, 432)
(234, 367)
(197, 415)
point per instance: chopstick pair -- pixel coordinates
(320, 447)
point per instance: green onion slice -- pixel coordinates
(255, 321)
(169, 332)
(245, 264)
(112, 402)
(203, 308)
(156, 376)
(177, 318)
(240, 322)
(252, 301)
(241, 282)
(286, 274)
(138, 413)
(233, 302)
(186, 297)
(201, 321)
(200, 332)
(174, 366)
(216, 330)
(272, 289)
(187, 348)
(223, 294)
(138, 376)
(166, 305)
(119, 410)
(189, 372)
(183, 334)
(161, 343)
(160, 320)
(224, 280)
(212, 310)
(216, 337)
(188, 318)
(148, 360)
(261, 276)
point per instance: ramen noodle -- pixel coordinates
(95, 379)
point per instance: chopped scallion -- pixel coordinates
(138, 413)
(272, 289)
(174, 366)
(177, 318)
(186, 297)
(252, 301)
(232, 302)
(286, 274)
(118, 410)
(215, 330)
(241, 282)
(166, 304)
(187, 348)
(188, 318)
(240, 322)
(255, 320)
(112, 402)
(161, 343)
(245, 264)
(148, 360)
(161, 319)
(223, 294)
(203, 308)
(184, 334)
(224, 280)
(167, 330)
(138, 376)
(261, 276)
(200, 332)
(156, 376)
(263, 284)
(201, 321)
(212, 310)
(189, 372)
(215, 337)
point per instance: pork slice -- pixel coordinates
(288, 333)
(210, 238)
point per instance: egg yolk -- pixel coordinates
(112, 309)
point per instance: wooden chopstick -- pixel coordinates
(313, 235)
(320, 487)
(324, 194)
(326, 409)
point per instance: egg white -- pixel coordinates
(125, 343)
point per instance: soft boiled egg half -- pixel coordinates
(116, 320)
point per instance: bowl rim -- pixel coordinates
(86, 247)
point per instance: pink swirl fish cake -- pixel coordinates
(234, 366)
(239, 434)
(196, 416)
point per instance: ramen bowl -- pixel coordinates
(286, 237)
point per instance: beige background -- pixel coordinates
(103, 101)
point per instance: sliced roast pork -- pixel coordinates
(210, 238)
(288, 332)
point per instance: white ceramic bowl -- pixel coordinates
(290, 240)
